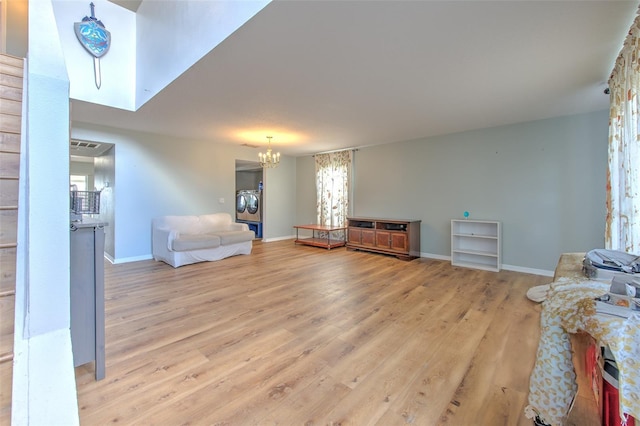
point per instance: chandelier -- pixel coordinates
(269, 160)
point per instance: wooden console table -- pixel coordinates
(397, 237)
(320, 241)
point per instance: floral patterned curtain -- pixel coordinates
(333, 175)
(623, 178)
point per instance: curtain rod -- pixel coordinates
(335, 150)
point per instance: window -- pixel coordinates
(79, 181)
(333, 175)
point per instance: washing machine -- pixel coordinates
(241, 206)
(248, 205)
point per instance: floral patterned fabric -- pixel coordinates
(571, 307)
(623, 177)
(333, 175)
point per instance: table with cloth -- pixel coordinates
(569, 307)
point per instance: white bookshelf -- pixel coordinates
(476, 244)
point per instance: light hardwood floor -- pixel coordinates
(297, 335)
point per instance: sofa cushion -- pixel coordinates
(186, 242)
(232, 237)
(182, 224)
(211, 223)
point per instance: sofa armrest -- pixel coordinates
(238, 227)
(163, 239)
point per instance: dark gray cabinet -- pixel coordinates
(87, 294)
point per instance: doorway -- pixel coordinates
(93, 164)
(250, 196)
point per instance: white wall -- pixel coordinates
(149, 49)
(48, 177)
(158, 176)
(172, 36)
(306, 197)
(280, 202)
(14, 27)
(118, 65)
(43, 375)
(105, 179)
(83, 168)
(545, 180)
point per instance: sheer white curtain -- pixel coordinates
(623, 177)
(333, 177)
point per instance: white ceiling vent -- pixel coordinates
(88, 148)
(84, 144)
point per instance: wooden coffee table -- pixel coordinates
(318, 241)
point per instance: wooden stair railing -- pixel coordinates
(11, 80)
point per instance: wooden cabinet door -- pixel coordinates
(368, 237)
(355, 236)
(397, 237)
(399, 241)
(383, 239)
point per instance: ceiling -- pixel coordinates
(328, 75)
(132, 5)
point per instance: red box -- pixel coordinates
(593, 367)
(611, 399)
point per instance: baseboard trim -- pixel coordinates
(270, 240)
(435, 256)
(533, 271)
(542, 272)
(127, 259)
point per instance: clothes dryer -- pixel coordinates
(241, 206)
(248, 205)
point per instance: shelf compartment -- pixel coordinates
(320, 242)
(476, 244)
(361, 224)
(493, 237)
(476, 253)
(391, 226)
(468, 260)
(475, 228)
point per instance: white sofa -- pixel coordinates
(182, 240)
